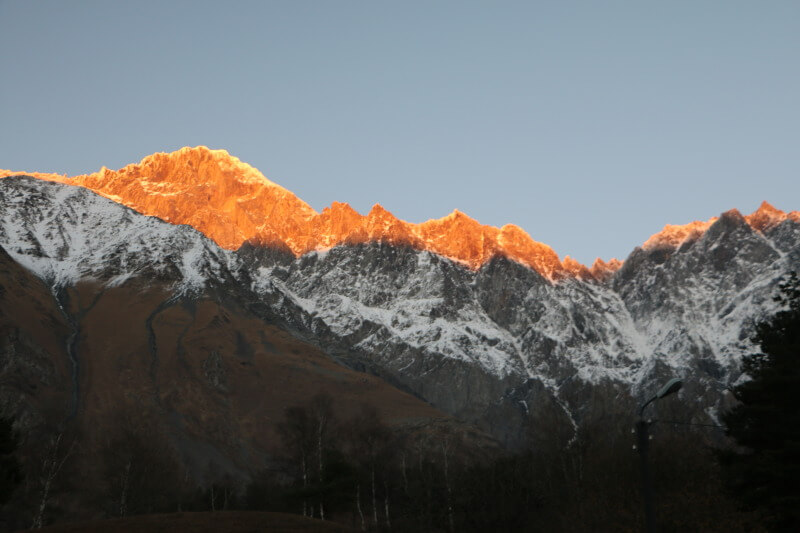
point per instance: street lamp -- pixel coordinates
(643, 441)
(673, 385)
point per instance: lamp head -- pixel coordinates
(671, 386)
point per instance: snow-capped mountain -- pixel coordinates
(491, 344)
(484, 324)
(66, 234)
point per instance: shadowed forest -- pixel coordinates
(360, 473)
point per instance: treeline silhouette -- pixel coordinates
(362, 473)
(763, 470)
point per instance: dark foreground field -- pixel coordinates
(218, 522)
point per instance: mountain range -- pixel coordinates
(191, 286)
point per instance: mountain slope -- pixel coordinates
(105, 311)
(495, 345)
(479, 332)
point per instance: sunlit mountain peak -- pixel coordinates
(232, 203)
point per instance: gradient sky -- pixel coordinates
(588, 124)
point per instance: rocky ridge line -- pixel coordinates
(233, 203)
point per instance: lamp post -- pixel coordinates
(643, 442)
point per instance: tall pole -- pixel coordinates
(643, 443)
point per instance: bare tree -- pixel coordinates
(321, 409)
(297, 434)
(141, 471)
(358, 507)
(55, 456)
(446, 444)
(449, 442)
(306, 431)
(386, 503)
(369, 445)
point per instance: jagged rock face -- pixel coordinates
(65, 234)
(473, 342)
(504, 346)
(699, 301)
(493, 346)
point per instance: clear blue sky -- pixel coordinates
(589, 124)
